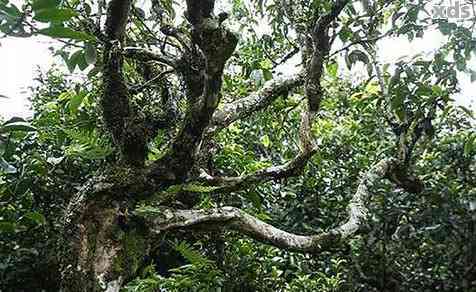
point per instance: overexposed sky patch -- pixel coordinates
(21, 58)
(392, 49)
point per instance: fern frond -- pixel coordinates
(192, 255)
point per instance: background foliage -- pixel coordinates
(414, 243)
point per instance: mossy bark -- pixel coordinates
(102, 245)
(105, 252)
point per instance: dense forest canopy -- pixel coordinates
(219, 146)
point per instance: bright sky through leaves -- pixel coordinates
(21, 58)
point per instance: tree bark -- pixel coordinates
(103, 246)
(106, 239)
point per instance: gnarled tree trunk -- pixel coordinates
(106, 238)
(103, 246)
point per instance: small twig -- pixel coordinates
(149, 30)
(140, 87)
(286, 57)
(369, 40)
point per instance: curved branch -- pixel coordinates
(290, 168)
(235, 219)
(145, 55)
(231, 184)
(246, 106)
(138, 88)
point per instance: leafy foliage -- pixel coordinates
(422, 242)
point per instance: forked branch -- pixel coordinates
(288, 169)
(236, 183)
(216, 45)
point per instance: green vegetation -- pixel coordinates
(183, 160)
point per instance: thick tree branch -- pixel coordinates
(243, 107)
(321, 46)
(117, 17)
(235, 219)
(246, 106)
(216, 45)
(126, 127)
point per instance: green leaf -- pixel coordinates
(78, 58)
(372, 88)
(266, 141)
(14, 120)
(54, 14)
(74, 60)
(75, 101)
(446, 27)
(467, 111)
(255, 199)
(35, 217)
(82, 63)
(65, 95)
(345, 33)
(6, 167)
(437, 90)
(266, 64)
(65, 33)
(473, 76)
(469, 145)
(90, 54)
(10, 10)
(332, 69)
(267, 74)
(7, 227)
(397, 107)
(44, 4)
(16, 126)
(192, 255)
